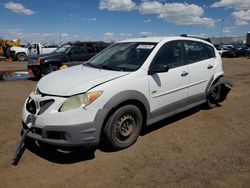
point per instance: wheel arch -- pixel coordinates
(131, 97)
(23, 53)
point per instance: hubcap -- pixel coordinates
(125, 126)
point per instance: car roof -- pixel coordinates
(164, 38)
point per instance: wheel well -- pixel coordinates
(136, 103)
(216, 80)
(21, 53)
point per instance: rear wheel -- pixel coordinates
(123, 127)
(214, 96)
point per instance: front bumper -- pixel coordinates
(79, 127)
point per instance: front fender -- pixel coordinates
(128, 95)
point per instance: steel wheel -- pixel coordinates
(123, 127)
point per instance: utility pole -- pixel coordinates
(221, 32)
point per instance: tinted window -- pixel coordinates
(63, 48)
(170, 54)
(91, 48)
(77, 49)
(210, 50)
(194, 51)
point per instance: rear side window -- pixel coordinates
(210, 51)
(195, 51)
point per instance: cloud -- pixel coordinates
(92, 19)
(117, 5)
(241, 8)
(241, 17)
(147, 21)
(108, 35)
(176, 13)
(18, 8)
(145, 34)
(236, 4)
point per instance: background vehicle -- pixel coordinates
(21, 53)
(5, 46)
(71, 53)
(231, 52)
(243, 51)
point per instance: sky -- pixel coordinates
(57, 21)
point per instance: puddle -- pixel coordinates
(19, 75)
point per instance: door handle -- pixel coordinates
(209, 66)
(184, 73)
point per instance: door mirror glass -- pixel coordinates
(158, 68)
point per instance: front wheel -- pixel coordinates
(21, 57)
(123, 127)
(49, 69)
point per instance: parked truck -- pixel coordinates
(21, 53)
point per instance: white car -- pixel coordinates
(131, 84)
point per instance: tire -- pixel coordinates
(213, 97)
(49, 69)
(123, 127)
(21, 56)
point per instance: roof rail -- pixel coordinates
(197, 37)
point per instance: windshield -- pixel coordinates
(122, 56)
(63, 48)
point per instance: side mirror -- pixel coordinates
(157, 68)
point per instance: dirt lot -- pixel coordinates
(198, 148)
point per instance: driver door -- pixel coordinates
(169, 90)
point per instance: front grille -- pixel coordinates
(31, 106)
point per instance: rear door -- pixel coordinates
(169, 90)
(200, 58)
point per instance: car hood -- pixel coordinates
(75, 80)
(17, 48)
(51, 55)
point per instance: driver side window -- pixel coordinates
(169, 55)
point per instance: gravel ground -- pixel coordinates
(198, 148)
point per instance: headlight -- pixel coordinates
(78, 101)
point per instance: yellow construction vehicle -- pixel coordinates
(5, 46)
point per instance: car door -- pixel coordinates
(200, 58)
(78, 52)
(33, 49)
(168, 90)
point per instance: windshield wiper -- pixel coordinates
(110, 67)
(92, 65)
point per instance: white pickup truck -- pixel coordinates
(21, 53)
